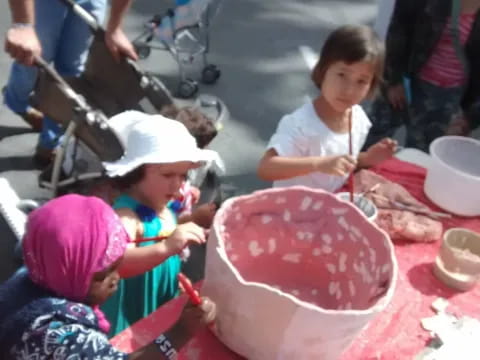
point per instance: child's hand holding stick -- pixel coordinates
(335, 165)
(195, 298)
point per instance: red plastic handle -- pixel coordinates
(194, 297)
(155, 238)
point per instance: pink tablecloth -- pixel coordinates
(204, 346)
(395, 334)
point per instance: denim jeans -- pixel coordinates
(426, 117)
(65, 40)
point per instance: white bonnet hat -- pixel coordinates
(153, 139)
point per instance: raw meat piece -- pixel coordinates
(366, 179)
(408, 226)
(399, 224)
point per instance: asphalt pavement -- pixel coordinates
(264, 50)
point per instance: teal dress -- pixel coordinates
(139, 296)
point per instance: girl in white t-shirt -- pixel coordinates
(311, 145)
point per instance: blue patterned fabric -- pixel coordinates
(34, 324)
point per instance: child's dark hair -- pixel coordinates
(197, 123)
(350, 44)
(130, 179)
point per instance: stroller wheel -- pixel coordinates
(187, 88)
(143, 51)
(210, 74)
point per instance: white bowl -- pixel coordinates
(453, 178)
(365, 205)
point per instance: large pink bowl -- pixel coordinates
(296, 273)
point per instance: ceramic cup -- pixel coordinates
(365, 205)
(458, 261)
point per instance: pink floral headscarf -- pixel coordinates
(68, 240)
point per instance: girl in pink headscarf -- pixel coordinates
(72, 248)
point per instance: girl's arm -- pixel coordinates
(202, 215)
(138, 260)
(273, 167)
(176, 336)
(377, 153)
(363, 161)
(192, 319)
(285, 158)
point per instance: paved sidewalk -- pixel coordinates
(259, 46)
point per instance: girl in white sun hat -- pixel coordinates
(159, 154)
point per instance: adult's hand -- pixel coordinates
(22, 44)
(459, 125)
(396, 96)
(119, 45)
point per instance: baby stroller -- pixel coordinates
(83, 105)
(184, 32)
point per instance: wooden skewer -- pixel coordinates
(399, 206)
(351, 182)
(155, 238)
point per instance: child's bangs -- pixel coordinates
(353, 54)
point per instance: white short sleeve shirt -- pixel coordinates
(303, 133)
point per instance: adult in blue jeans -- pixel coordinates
(51, 29)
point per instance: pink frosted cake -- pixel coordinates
(296, 273)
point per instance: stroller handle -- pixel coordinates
(94, 25)
(90, 125)
(42, 64)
